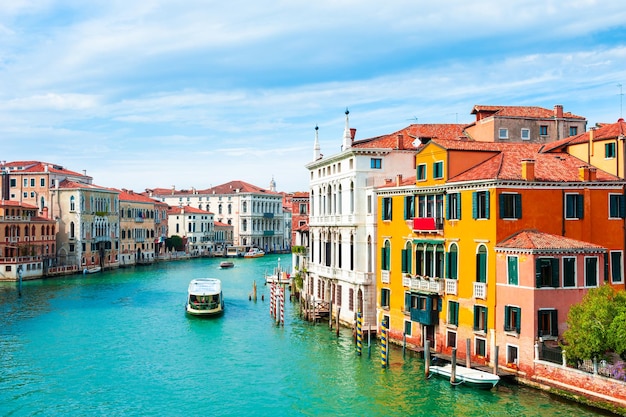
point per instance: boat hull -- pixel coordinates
(204, 313)
(225, 265)
(463, 375)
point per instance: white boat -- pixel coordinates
(226, 264)
(470, 376)
(204, 297)
(92, 270)
(254, 253)
(278, 276)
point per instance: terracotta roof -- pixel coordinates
(603, 132)
(220, 224)
(411, 133)
(38, 166)
(393, 182)
(187, 209)
(129, 195)
(230, 187)
(536, 240)
(522, 111)
(11, 203)
(68, 184)
(503, 161)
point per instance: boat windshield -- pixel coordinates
(204, 302)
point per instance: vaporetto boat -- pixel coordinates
(204, 297)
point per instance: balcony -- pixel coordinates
(268, 215)
(138, 219)
(451, 287)
(427, 224)
(384, 277)
(427, 285)
(268, 233)
(480, 290)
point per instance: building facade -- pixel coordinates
(195, 226)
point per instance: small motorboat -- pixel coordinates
(470, 376)
(254, 253)
(226, 264)
(92, 270)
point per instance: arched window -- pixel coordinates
(72, 203)
(481, 264)
(385, 256)
(452, 266)
(244, 207)
(407, 257)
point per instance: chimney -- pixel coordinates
(591, 136)
(587, 173)
(528, 169)
(558, 111)
(400, 142)
(352, 133)
(398, 180)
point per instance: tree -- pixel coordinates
(596, 324)
(175, 242)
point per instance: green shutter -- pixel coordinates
(518, 320)
(382, 258)
(555, 272)
(474, 205)
(513, 274)
(476, 317)
(404, 260)
(481, 267)
(580, 209)
(518, 206)
(407, 301)
(453, 265)
(487, 198)
(554, 324)
(501, 198)
(458, 206)
(538, 272)
(448, 207)
(507, 318)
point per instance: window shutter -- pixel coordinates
(474, 205)
(518, 206)
(453, 265)
(487, 198)
(481, 267)
(555, 272)
(404, 260)
(580, 209)
(486, 318)
(622, 209)
(448, 207)
(538, 272)
(458, 206)
(518, 321)
(501, 198)
(407, 301)
(382, 259)
(475, 317)
(554, 324)
(507, 318)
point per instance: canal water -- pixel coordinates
(119, 343)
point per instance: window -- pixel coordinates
(480, 204)
(386, 208)
(376, 163)
(609, 150)
(303, 208)
(452, 267)
(25, 182)
(480, 346)
(574, 206)
(421, 172)
(385, 256)
(481, 264)
(547, 272)
(407, 302)
(510, 206)
(72, 203)
(573, 130)
(543, 130)
(591, 271)
(409, 207)
(369, 204)
(32, 182)
(525, 134)
(503, 133)
(511, 354)
(406, 259)
(407, 327)
(451, 339)
(438, 169)
(547, 324)
(384, 297)
(617, 272)
(616, 206)
(453, 313)
(480, 318)
(453, 206)
(512, 319)
(512, 270)
(569, 272)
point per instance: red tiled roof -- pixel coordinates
(536, 240)
(187, 209)
(11, 203)
(603, 132)
(68, 184)
(127, 195)
(410, 133)
(403, 182)
(38, 166)
(522, 111)
(506, 162)
(220, 224)
(232, 186)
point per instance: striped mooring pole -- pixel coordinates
(282, 305)
(383, 344)
(359, 333)
(272, 299)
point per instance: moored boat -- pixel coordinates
(92, 270)
(470, 376)
(204, 297)
(226, 264)
(254, 253)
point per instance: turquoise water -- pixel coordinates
(119, 344)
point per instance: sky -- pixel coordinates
(153, 93)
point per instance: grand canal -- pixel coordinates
(118, 343)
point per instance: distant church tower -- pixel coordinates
(316, 146)
(273, 185)
(347, 136)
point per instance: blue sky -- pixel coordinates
(150, 93)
